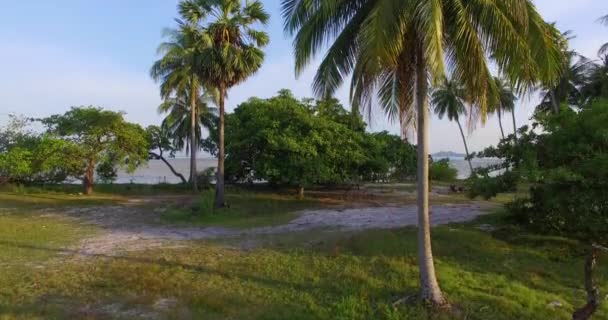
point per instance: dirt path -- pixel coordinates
(120, 236)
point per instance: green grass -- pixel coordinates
(507, 274)
(245, 210)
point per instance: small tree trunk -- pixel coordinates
(193, 142)
(593, 292)
(466, 148)
(177, 174)
(300, 192)
(429, 287)
(502, 131)
(89, 177)
(514, 125)
(219, 185)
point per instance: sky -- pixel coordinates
(63, 53)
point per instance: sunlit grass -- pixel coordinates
(509, 274)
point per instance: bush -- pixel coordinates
(442, 171)
(482, 185)
(205, 178)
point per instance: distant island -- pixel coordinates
(448, 154)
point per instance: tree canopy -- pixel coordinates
(100, 137)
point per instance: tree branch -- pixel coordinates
(177, 174)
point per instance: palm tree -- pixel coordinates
(604, 48)
(178, 120)
(234, 53)
(393, 48)
(177, 73)
(449, 99)
(568, 88)
(596, 85)
(504, 101)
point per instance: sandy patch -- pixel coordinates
(134, 237)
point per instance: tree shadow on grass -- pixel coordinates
(163, 263)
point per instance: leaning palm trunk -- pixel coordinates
(193, 144)
(466, 148)
(219, 184)
(429, 287)
(502, 131)
(514, 125)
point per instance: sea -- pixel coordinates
(155, 171)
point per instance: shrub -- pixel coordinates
(442, 171)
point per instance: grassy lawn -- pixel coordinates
(507, 274)
(246, 210)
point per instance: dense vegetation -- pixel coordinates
(74, 146)
(290, 142)
(563, 159)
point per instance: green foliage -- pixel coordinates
(40, 159)
(101, 135)
(442, 171)
(508, 274)
(487, 187)
(289, 142)
(93, 136)
(206, 178)
(281, 141)
(567, 168)
(389, 158)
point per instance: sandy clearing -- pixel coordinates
(134, 237)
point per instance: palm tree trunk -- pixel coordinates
(193, 142)
(554, 101)
(514, 125)
(502, 131)
(466, 148)
(219, 185)
(429, 287)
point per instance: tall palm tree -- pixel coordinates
(449, 99)
(393, 48)
(177, 73)
(568, 88)
(178, 120)
(234, 53)
(596, 85)
(504, 101)
(604, 48)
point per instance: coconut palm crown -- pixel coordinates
(233, 52)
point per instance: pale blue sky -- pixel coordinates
(56, 54)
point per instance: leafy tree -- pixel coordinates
(442, 171)
(159, 142)
(281, 141)
(566, 166)
(177, 72)
(393, 49)
(232, 55)
(101, 136)
(40, 159)
(449, 98)
(388, 158)
(332, 109)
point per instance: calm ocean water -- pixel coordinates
(157, 172)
